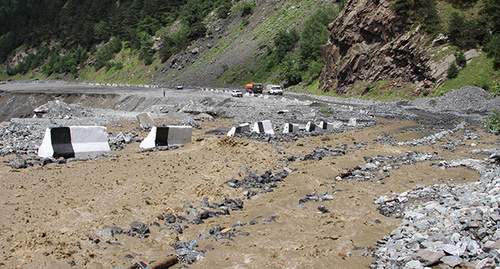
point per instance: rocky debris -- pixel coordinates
(321, 152)
(107, 232)
(378, 167)
(18, 138)
(219, 233)
(118, 141)
(432, 139)
(186, 252)
(462, 101)
(61, 110)
(266, 182)
(138, 229)
(316, 197)
(451, 225)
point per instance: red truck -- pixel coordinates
(254, 87)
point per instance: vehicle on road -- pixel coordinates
(236, 93)
(254, 87)
(179, 87)
(275, 89)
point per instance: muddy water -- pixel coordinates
(50, 212)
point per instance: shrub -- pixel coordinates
(492, 123)
(421, 11)
(493, 49)
(245, 22)
(495, 88)
(247, 8)
(452, 70)
(224, 9)
(460, 59)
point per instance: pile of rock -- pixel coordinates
(377, 168)
(18, 138)
(453, 225)
(61, 110)
(265, 182)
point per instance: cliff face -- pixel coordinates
(370, 44)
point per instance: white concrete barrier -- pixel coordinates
(310, 126)
(290, 128)
(245, 127)
(74, 142)
(325, 125)
(263, 127)
(167, 136)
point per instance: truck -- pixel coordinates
(274, 89)
(254, 87)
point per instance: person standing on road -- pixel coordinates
(163, 92)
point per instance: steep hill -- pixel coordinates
(382, 49)
(372, 46)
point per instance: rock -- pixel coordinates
(139, 227)
(19, 163)
(107, 232)
(323, 209)
(451, 261)
(413, 265)
(204, 203)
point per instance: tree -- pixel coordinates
(493, 49)
(452, 70)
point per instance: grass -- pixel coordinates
(479, 73)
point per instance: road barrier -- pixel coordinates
(167, 136)
(263, 127)
(290, 128)
(74, 142)
(245, 127)
(310, 126)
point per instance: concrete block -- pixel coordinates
(310, 126)
(167, 136)
(145, 119)
(74, 142)
(245, 127)
(290, 128)
(263, 127)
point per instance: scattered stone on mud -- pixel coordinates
(266, 182)
(186, 252)
(452, 224)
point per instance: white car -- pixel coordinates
(276, 90)
(236, 93)
(179, 87)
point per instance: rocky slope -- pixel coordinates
(370, 46)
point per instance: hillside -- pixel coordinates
(377, 49)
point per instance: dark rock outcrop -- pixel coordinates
(370, 43)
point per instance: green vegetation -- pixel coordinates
(452, 70)
(492, 123)
(479, 72)
(80, 27)
(305, 65)
(422, 12)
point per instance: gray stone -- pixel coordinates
(451, 261)
(414, 265)
(107, 232)
(428, 257)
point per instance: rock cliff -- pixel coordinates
(371, 46)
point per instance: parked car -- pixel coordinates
(236, 93)
(179, 87)
(275, 89)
